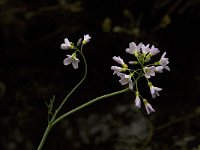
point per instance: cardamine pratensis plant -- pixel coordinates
(140, 67)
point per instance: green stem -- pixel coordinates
(44, 137)
(70, 93)
(54, 122)
(61, 105)
(88, 103)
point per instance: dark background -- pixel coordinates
(32, 71)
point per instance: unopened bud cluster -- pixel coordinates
(143, 58)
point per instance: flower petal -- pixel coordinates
(149, 108)
(137, 102)
(119, 60)
(67, 61)
(64, 46)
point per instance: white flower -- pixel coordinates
(125, 79)
(71, 59)
(137, 100)
(164, 61)
(149, 71)
(86, 38)
(145, 49)
(148, 107)
(159, 69)
(66, 45)
(153, 50)
(133, 48)
(116, 69)
(154, 90)
(119, 60)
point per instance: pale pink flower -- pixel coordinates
(71, 59)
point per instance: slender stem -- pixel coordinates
(44, 137)
(70, 93)
(61, 105)
(89, 103)
(92, 101)
(54, 122)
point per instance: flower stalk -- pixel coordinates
(143, 55)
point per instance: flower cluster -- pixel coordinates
(129, 75)
(67, 45)
(143, 67)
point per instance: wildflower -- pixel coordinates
(149, 71)
(159, 69)
(66, 45)
(164, 62)
(154, 90)
(148, 107)
(153, 50)
(121, 62)
(116, 69)
(134, 49)
(137, 100)
(145, 49)
(118, 60)
(86, 38)
(125, 79)
(72, 59)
